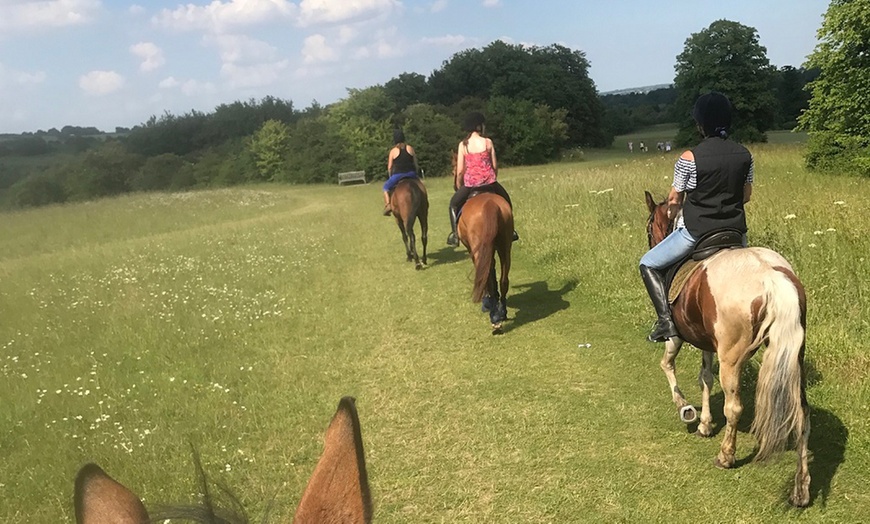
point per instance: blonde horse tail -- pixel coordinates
(484, 253)
(780, 394)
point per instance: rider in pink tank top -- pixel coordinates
(478, 169)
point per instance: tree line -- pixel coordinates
(539, 101)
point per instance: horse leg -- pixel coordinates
(401, 225)
(729, 378)
(424, 233)
(672, 349)
(492, 293)
(705, 381)
(504, 282)
(412, 243)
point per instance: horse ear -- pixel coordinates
(338, 490)
(99, 499)
(650, 202)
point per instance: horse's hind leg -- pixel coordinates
(705, 381)
(504, 282)
(424, 233)
(729, 378)
(672, 349)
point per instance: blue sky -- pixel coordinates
(108, 63)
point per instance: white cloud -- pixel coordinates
(101, 82)
(219, 16)
(46, 13)
(438, 6)
(136, 10)
(12, 76)
(315, 49)
(256, 75)
(336, 11)
(151, 55)
(188, 87)
(446, 40)
(168, 83)
(241, 48)
(491, 3)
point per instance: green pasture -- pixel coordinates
(233, 320)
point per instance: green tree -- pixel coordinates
(524, 132)
(364, 122)
(269, 147)
(105, 171)
(433, 136)
(728, 58)
(838, 118)
(407, 89)
(791, 96)
(317, 152)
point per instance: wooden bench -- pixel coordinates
(352, 176)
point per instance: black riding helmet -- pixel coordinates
(712, 112)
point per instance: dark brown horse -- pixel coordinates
(337, 492)
(735, 302)
(486, 227)
(410, 202)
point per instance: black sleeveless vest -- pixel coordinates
(717, 200)
(404, 162)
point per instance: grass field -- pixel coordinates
(235, 319)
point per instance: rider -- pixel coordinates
(476, 170)
(712, 182)
(401, 163)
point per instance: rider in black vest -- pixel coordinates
(712, 182)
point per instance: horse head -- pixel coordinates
(337, 491)
(661, 219)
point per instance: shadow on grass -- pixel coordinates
(447, 255)
(537, 302)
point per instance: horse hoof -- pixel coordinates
(497, 329)
(722, 465)
(688, 414)
(419, 266)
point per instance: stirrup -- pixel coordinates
(662, 331)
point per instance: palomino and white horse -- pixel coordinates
(736, 301)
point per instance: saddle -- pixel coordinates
(678, 274)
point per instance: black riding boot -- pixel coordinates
(655, 286)
(452, 238)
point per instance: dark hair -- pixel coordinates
(473, 122)
(712, 112)
(398, 136)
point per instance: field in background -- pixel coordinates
(234, 320)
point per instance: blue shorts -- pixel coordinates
(394, 179)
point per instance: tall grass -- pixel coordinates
(235, 319)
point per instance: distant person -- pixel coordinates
(476, 170)
(712, 182)
(631, 147)
(668, 145)
(401, 163)
(641, 146)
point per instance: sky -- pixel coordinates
(108, 63)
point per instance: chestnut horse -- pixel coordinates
(337, 492)
(736, 301)
(486, 227)
(410, 202)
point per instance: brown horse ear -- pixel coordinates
(99, 499)
(650, 202)
(338, 490)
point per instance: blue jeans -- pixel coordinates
(672, 249)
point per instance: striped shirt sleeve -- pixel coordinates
(750, 176)
(685, 175)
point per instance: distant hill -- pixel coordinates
(637, 90)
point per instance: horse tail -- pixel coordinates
(485, 252)
(780, 395)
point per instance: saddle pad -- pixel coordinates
(680, 278)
